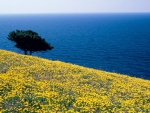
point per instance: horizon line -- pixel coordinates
(79, 13)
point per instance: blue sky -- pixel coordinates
(73, 6)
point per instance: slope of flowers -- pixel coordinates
(34, 85)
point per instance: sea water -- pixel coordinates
(111, 42)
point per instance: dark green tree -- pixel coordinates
(29, 41)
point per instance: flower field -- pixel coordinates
(34, 85)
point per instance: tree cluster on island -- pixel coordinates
(28, 40)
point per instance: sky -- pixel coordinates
(73, 6)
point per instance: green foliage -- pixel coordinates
(29, 41)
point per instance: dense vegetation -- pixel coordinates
(31, 84)
(29, 41)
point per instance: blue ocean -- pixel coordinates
(111, 42)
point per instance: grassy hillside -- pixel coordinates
(30, 84)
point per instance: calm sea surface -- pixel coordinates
(111, 42)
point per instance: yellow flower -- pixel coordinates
(29, 83)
